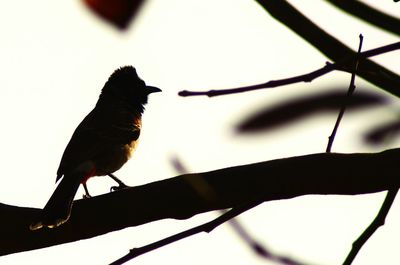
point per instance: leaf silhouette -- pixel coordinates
(298, 108)
(383, 133)
(117, 12)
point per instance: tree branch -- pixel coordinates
(369, 15)
(342, 64)
(326, 44)
(285, 178)
(329, 45)
(376, 223)
(346, 101)
(207, 227)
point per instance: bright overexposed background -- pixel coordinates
(56, 56)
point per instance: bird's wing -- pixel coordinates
(92, 137)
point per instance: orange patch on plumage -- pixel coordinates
(89, 175)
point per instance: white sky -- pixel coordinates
(56, 56)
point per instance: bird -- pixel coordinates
(101, 144)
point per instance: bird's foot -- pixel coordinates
(86, 196)
(119, 187)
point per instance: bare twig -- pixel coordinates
(330, 46)
(391, 194)
(296, 79)
(350, 92)
(378, 221)
(207, 227)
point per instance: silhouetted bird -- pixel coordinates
(101, 144)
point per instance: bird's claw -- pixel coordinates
(86, 196)
(119, 187)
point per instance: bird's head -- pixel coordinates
(124, 84)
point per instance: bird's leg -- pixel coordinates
(87, 194)
(121, 185)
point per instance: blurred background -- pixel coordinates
(57, 55)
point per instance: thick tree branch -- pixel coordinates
(175, 198)
(326, 44)
(369, 15)
(329, 45)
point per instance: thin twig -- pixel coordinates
(331, 47)
(350, 92)
(391, 194)
(296, 79)
(378, 221)
(207, 227)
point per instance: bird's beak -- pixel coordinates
(152, 89)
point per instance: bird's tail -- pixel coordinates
(58, 209)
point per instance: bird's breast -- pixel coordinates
(130, 148)
(119, 142)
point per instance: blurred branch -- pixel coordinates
(207, 227)
(339, 65)
(324, 173)
(204, 190)
(330, 46)
(348, 98)
(383, 133)
(369, 15)
(293, 109)
(119, 13)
